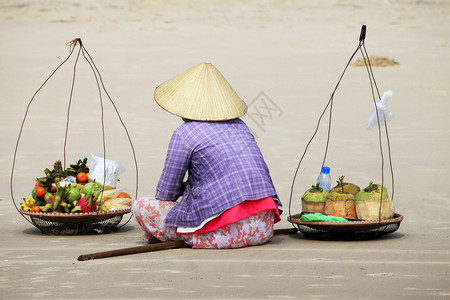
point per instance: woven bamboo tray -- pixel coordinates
(360, 229)
(76, 223)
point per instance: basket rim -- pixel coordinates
(76, 215)
(396, 219)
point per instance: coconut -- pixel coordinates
(345, 187)
(373, 203)
(340, 204)
(313, 200)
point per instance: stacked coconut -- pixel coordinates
(347, 200)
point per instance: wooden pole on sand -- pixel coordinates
(155, 247)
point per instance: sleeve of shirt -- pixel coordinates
(175, 167)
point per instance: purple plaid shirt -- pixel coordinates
(225, 167)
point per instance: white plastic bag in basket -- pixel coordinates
(383, 113)
(112, 170)
(110, 202)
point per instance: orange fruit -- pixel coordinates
(124, 195)
(36, 209)
(82, 177)
(40, 192)
(37, 184)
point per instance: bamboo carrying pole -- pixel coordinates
(134, 250)
(155, 247)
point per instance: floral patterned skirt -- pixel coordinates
(254, 230)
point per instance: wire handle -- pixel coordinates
(361, 47)
(101, 87)
(362, 35)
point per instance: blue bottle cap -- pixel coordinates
(326, 170)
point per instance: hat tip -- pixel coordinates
(207, 61)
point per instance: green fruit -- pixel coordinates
(73, 195)
(33, 194)
(49, 197)
(88, 186)
(340, 196)
(79, 187)
(345, 187)
(315, 194)
(373, 191)
(340, 204)
(107, 187)
(39, 203)
(350, 188)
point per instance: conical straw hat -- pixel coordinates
(200, 93)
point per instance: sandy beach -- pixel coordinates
(284, 59)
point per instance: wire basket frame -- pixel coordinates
(351, 230)
(77, 223)
(329, 106)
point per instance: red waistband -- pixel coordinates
(241, 211)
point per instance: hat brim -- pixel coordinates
(200, 93)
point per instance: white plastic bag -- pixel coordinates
(383, 113)
(116, 204)
(107, 173)
(110, 202)
(69, 180)
(109, 194)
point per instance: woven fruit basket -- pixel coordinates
(353, 229)
(68, 201)
(76, 223)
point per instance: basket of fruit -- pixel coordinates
(346, 211)
(78, 199)
(69, 202)
(350, 229)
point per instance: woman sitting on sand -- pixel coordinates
(228, 200)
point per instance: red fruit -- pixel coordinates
(40, 192)
(83, 205)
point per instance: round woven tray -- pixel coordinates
(361, 229)
(76, 223)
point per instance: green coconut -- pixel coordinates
(313, 200)
(373, 191)
(340, 204)
(345, 187)
(340, 196)
(370, 206)
(315, 194)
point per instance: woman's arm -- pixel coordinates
(170, 184)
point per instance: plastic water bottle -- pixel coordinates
(324, 179)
